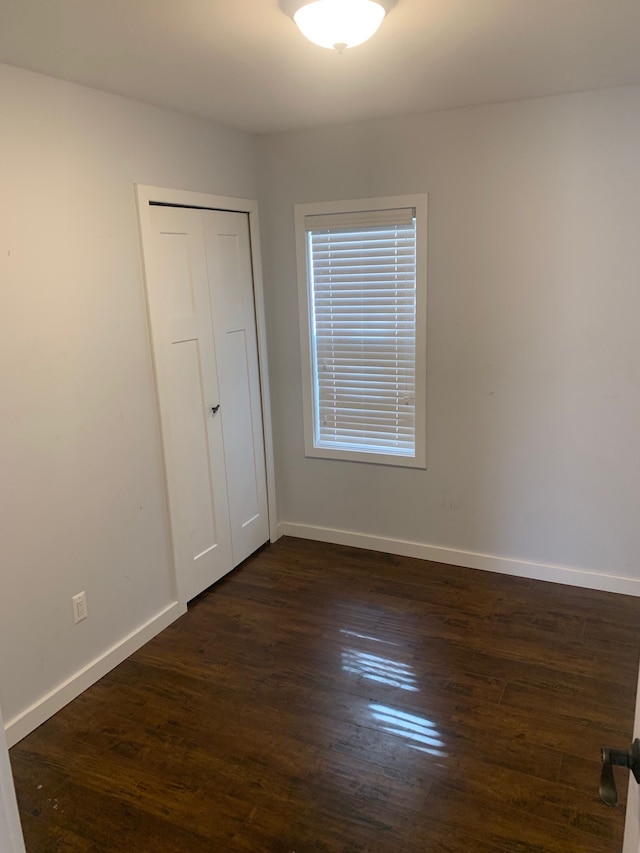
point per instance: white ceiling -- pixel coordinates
(244, 63)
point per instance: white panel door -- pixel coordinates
(234, 323)
(632, 821)
(184, 352)
(10, 831)
(203, 328)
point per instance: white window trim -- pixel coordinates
(419, 202)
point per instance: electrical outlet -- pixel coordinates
(79, 607)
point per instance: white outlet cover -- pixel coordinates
(79, 607)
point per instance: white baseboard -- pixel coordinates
(486, 562)
(21, 725)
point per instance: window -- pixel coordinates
(362, 278)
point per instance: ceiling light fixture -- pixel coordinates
(337, 24)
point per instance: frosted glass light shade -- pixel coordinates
(339, 23)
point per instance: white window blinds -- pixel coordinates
(362, 273)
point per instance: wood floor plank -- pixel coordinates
(574, 709)
(325, 699)
(505, 827)
(544, 730)
(501, 787)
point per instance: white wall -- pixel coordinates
(533, 344)
(82, 503)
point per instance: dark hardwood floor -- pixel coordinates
(323, 699)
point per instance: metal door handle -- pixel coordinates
(214, 409)
(621, 758)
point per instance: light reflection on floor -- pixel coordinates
(367, 637)
(417, 731)
(380, 669)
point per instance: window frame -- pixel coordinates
(419, 203)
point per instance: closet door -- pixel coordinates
(233, 311)
(187, 384)
(203, 329)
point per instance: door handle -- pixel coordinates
(621, 758)
(214, 410)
